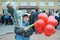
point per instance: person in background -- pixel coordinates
(2, 19)
(49, 13)
(10, 19)
(40, 11)
(13, 11)
(10, 9)
(25, 24)
(30, 17)
(57, 17)
(6, 19)
(43, 11)
(34, 17)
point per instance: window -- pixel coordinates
(58, 3)
(23, 3)
(33, 3)
(14, 3)
(7, 3)
(4, 0)
(51, 3)
(3, 3)
(42, 3)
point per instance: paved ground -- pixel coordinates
(6, 29)
(11, 36)
(33, 37)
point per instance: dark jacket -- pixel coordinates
(34, 17)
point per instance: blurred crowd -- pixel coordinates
(8, 15)
(6, 19)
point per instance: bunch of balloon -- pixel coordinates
(46, 24)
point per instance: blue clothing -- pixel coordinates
(56, 17)
(20, 37)
(6, 17)
(35, 16)
(25, 23)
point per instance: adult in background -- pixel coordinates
(10, 19)
(2, 19)
(49, 13)
(57, 17)
(34, 17)
(12, 10)
(6, 19)
(43, 11)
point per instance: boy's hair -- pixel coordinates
(25, 15)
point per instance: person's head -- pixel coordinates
(25, 17)
(56, 12)
(36, 10)
(9, 5)
(43, 11)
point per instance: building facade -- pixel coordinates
(42, 4)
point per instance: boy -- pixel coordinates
(25, 24)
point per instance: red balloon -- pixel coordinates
(54, 31)
(43, 17)
(49, 30)
(52, 21)
(51, 17)
(39, 30)
(39, 24)
(36, 25)
(48, 35)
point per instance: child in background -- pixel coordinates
(25, 24)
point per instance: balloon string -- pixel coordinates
(30, 27)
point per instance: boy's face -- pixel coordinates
(26, 18)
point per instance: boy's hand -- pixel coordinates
(26, 28)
